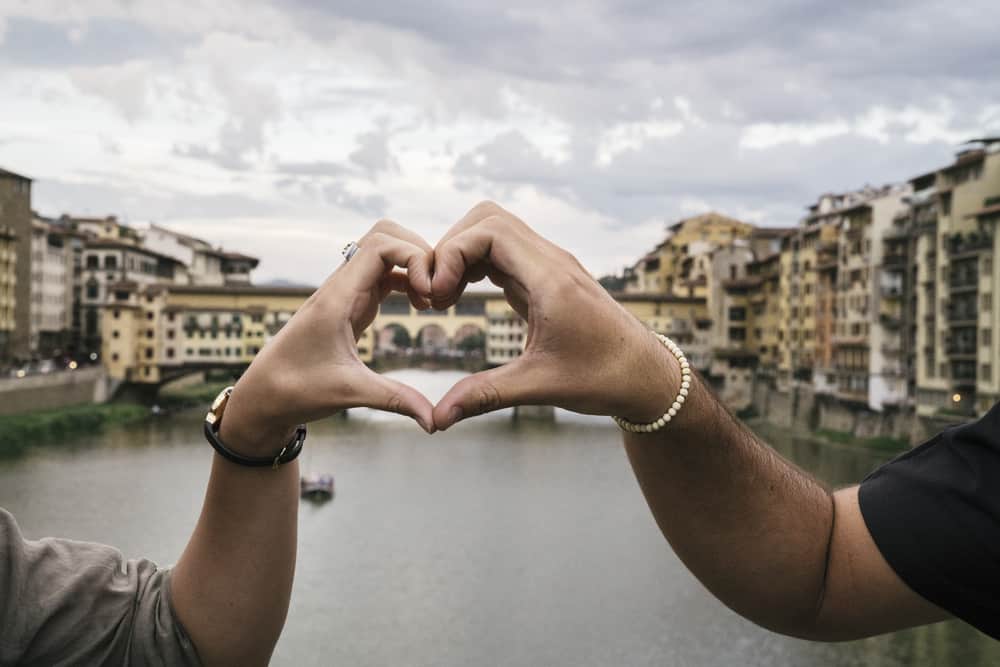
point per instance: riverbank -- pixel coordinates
(878, 444)
(20, 432)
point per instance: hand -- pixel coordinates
(584, 352)
(311, 369)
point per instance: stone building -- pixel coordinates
(15, 216)
(8, 282)
(52, 287)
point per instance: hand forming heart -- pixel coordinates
(584, 352)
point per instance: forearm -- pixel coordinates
(752, 527)
(232, 585)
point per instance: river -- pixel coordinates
(496, 544)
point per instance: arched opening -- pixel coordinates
(432, 339)
(393, 339)
(470, 341)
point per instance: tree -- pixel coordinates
(401, 338)
(473, 342)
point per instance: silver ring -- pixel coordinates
(349, 251)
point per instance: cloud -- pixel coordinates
(277, 118)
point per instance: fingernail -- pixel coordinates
(455, 415)
(423, 424)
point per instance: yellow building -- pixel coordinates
(684, 319)
(957, 347)
(679, 265)
(8, 282)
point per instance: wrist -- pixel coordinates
(654, 383)
(244, 430)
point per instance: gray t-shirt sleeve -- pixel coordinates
(74, 603)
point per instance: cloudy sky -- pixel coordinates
(286, 129)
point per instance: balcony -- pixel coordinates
(960, 284)
(961, 352)
(895, 260)
(958, 317)
(963, 245)
(890, 321)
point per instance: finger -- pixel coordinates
(379, 254)
(478, 213)
(398, 281)
(382, 393)
(494, 243)
(520, 382)
(391, 228)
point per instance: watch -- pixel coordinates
(213, 422)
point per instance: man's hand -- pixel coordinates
(584, 352)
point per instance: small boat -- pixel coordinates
(318, 488)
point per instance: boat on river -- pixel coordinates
(317, 488)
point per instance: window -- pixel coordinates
(114, 357)
(116, 313)
(150, 334)
(110, 262)
(93, 262)
(986, 372)
(149, 315)
(170, 353)
(987, 303)
(114, 334)
(93, 290)
(170, 334)
(149, 353)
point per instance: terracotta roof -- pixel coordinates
(99, 244)
(986, 212)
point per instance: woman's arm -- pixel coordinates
(231, 586)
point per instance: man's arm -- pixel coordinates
(764, 537)
(231, 587)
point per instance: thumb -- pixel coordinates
(382, 393)
(516, 383)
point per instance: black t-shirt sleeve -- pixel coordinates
(934, 513)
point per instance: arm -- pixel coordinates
(764, 537)
(231, 586)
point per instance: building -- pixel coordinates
(8, 282)
(683, 319)
(506, 332)
(830, 333)
(15, 217)
(680, 264)
(955, 217)
(206, 264)
(52, 287)
(112, 271)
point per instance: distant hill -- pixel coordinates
(282, 282)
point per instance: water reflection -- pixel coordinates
(495, 543)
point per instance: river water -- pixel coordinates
(497, 543)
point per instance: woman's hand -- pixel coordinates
(584, 352)
(311, 369)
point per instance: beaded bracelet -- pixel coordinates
(626, 425)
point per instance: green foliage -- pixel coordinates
(19, 432)
(401, 338)
(473, 342)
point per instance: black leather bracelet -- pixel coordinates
(213, 423)
(287, 454)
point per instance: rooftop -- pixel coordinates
(9, 174)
